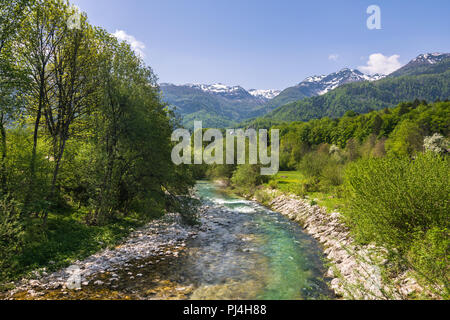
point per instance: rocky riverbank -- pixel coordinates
(155, 244)
(356, 270)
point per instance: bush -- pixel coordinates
(312, 164)
(430, 256)
(263, 197)
(399, 203)
(273, 184)
(332, 174)
(437, 144)
(189, 211)
(248, 176)
(311, 185)
(12, 234)
(298, 190)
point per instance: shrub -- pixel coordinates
(273, 184)
(311, 185)
(248, 176)
(12, 233)
(263, 197)
(399, 203)
(312, 164)
(437, 143)
(332, 174)
(189, 211)
(430, 256)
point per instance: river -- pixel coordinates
(241, 251)
(250, 252)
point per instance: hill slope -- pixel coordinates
(425, 82)
(216, 105)
(318, 85)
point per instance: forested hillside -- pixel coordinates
(85, 139)
(430, 83)
(217, 109)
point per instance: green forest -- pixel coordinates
(85, 139)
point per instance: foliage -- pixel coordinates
(11, 233)
(406, 139)
(83, 129)
(436, 143)
(402, 205)
(247, 177)
(373, 167)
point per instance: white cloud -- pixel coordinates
(378, 63)
(333, 57)
(136, 45)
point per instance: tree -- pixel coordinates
(74, 83)
(40, 34)
(405, 140)
(11, 16)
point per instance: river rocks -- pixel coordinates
(149, 241)
(354, 269)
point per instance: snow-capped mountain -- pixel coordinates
(235, 91)
(320, 85)
(267, 94)
(218, 105)
(421, 63)
(430, 58)
(222, 90)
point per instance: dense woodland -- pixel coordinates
(85, 138)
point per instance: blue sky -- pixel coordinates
(271, 44)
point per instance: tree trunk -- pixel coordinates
(35, 142)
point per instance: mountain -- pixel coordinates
(319, 85)
(219, 105)
(267, 94)
(425, 78)
(235, 93)
(423, 63)
(216, 105)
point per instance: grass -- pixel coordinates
(66, 240)
(292, 181)
(287, 181)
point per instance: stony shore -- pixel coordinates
(159, 240)
(354, 269)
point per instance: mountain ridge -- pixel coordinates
(219, 105)
(426, 80)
